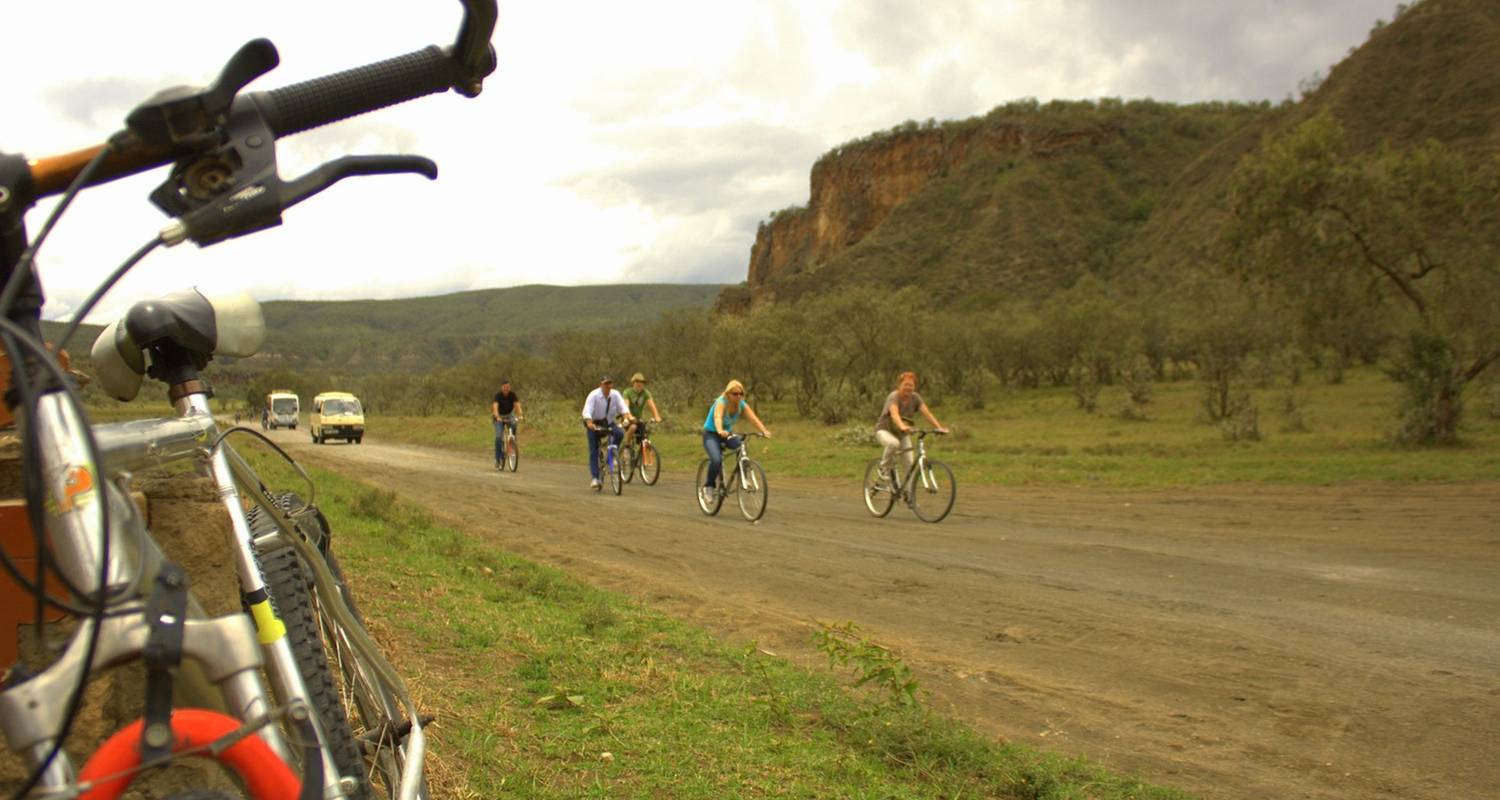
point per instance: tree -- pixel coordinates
(1416, 231)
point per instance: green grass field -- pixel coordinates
(544, 687)
(1039, 437)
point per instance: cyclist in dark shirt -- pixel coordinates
(505, 409)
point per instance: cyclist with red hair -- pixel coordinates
(892, 430)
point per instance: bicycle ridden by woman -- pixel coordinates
(505, 410)
(891, 429)
(599, 411)
(718, 431)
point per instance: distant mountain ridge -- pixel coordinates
(421, 333)
(1030, 197)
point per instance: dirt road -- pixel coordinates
(1237, 643)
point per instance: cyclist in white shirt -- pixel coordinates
(599, 411)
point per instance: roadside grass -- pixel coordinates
(545, 687)
(1336, 433)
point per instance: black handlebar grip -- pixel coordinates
(320, 101)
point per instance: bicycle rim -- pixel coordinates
(616, 483)
(933, 492)
(877, 500)
(711, 508)
(627, 463)
(650, 464)
(512, 454)
(752, 491)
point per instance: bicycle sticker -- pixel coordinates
(77, 491)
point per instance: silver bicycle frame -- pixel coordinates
(31, 713)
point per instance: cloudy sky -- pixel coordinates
(617, 142)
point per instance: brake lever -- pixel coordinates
(258, 204)
(300, 189)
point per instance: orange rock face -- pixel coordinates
(855, 188)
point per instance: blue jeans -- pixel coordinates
(616, 434)
(500, 438)
(715, 447)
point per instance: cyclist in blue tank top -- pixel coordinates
(717, 430)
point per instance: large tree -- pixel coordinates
(1414, 231)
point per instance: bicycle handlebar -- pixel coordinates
(331, 98)
(306, 105)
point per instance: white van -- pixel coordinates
(337, 415)
(280, 411)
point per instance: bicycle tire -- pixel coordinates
(627, 462)
(368, 709)
(753, 491)
(718, 499)
(650, 473)
(616, 482)
(878, 500)
(291, 593)
(933, 491)
(512, 453)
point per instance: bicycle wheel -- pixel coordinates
(879, 495)
(291, 593)
(650, 464)
(372, 717)
(752, 491)
(616, 483)
(512, 453)
(933, 491)
(627, 462)
(717, 499)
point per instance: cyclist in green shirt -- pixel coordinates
(639, 398)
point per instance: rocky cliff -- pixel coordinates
(857, 186)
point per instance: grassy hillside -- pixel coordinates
(1433, 73)
(416, 334)
(420, 332)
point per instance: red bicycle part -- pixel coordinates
(265, 775)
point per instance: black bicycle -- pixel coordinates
(639, 455)
(746, 481)
(928, 485)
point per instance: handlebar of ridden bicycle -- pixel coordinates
(309, 104)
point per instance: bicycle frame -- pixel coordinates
(231, 649)
(918, 467)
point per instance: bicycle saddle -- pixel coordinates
(202, 326)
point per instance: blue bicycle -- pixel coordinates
(609, 457)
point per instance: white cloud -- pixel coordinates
(616, 141)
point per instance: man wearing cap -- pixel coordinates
(501, 409)
(599, 411)
(639, 398)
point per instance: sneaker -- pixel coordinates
(706, 495)
(497, 465)
(594, 484)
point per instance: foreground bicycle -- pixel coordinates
(639, 455)
(510, 448)
(129, 602)
(927, 487)
(746, 481)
